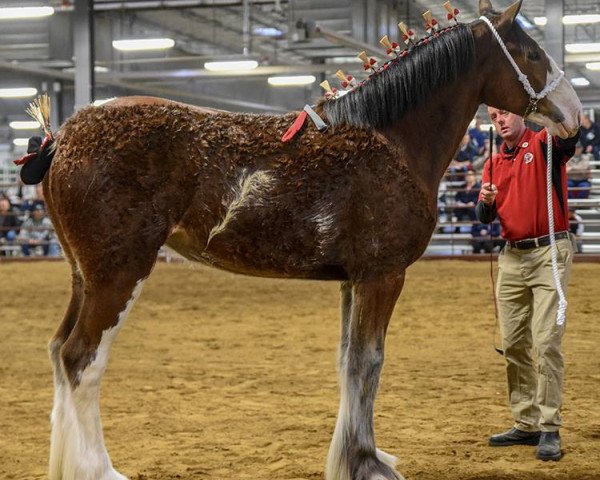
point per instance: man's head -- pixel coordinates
(585, 121)
(38, 212)
(4, 204)
(508, 125)
(470, 177)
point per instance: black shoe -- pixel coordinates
(515, 437)
(549, 447)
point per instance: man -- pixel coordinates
(590, 136)
(9, 222)
(527, 295)
(36, 232)
(578, 173)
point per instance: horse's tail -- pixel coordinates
(36, 163)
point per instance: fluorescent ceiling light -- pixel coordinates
(582, 47)
(577, 19)
(267, 32)
(289, 81)
(485, 127)
(25, 12)
(102, 101)
(570, 19)
(17, 92)
(593, 66)
(580, 82)
(231, 66)
(20, 142)
(134, 45)
(24, 125)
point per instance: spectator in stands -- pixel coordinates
(34, 198)
(466, 198)
(590, 136)
(478, 138)
(578, 173)
(464, 156)
(481, 241)
(9, 223)
(576, 228)
(527, 296)
(36, 232)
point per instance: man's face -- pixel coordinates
(38, 214)
(4, 205)
(508, 125)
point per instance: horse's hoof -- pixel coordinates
(374, 469)
(112, 474)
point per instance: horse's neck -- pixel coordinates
(429, 137)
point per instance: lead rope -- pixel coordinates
(494, 299)
(562, 303)
(534, 98)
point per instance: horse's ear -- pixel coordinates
(485, 6)
(508, 16)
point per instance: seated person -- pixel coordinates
(578, 173)
(462, 161)
(36, 232)
(466, 198)
(481, 238)
(9, 223)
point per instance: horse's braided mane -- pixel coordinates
(406, 82)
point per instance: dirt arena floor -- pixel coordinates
(218, 376)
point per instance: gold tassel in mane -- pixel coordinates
(39, 110)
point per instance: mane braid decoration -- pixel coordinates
(402, 84)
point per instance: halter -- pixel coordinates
(534, 98)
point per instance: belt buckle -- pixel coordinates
(536, 241)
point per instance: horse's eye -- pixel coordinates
(533, 56)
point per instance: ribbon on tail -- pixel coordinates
(301, 120)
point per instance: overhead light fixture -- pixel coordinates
(17, 92)
(485, 127)
(24, 125)
(291, 81)
(595, 66)
(578, 19)
(582, 47)
(570, 19)
(25, 12)
(580, 82)
(267, 32)
(235, 65)
(20, 142)
(138, 44)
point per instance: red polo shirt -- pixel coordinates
(520, 176)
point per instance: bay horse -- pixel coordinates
(356, 204)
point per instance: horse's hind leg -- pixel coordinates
(366, 311)
(57, 439)
(83, 358)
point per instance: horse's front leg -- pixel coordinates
(366, 310)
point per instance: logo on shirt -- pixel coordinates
(528, 158)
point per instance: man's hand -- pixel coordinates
(488, 193)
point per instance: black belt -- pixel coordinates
(537, 242)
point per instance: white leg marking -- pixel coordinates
(84, 456)
(337, 464)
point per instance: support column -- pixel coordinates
(83, 37)
(554, 33)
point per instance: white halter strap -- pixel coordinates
(535, 97)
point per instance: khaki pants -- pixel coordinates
(528, 302)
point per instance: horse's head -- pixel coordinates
(560, 109)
